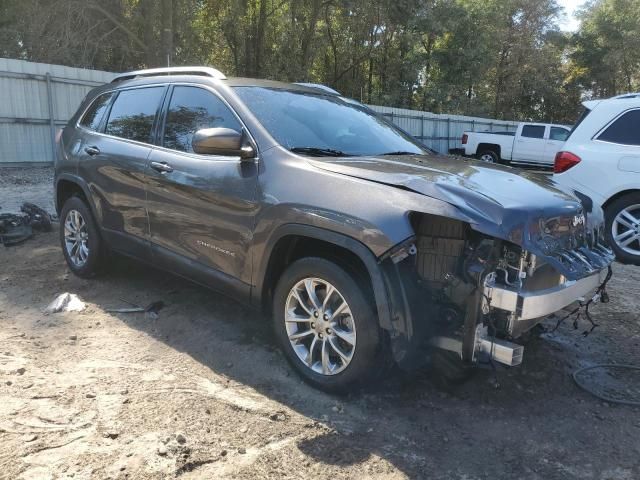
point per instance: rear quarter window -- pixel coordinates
(94, 114)
(625, 130)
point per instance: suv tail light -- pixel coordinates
(465, 137)
(564, 161)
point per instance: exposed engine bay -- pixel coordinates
(490, 291)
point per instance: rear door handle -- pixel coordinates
(162, 167)
(92, 150)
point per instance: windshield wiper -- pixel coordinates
(319, 152)
(401, 152)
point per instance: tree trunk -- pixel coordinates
(167, 32)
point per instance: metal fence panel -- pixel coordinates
(441, 132)
(36, 98)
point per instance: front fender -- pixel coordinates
(337, 239)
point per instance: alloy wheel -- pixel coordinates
(76, 238)
(625, 229)
(320, 326)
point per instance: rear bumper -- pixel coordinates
(529, 307)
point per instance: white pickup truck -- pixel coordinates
(532, 144)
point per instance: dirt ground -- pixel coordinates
(201, 392)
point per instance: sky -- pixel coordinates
(569, 22)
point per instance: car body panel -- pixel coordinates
(601, 160)
(216, 220)
(204, 209)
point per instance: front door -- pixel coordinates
(201, 207)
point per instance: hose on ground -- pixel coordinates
(575, 375)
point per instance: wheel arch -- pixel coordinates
(69, 185)
(618, 195)
(293, 241)
(483, 147)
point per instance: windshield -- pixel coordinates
(324, 125)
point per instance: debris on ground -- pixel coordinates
(65, 302)
(152, 310)
(15, 228)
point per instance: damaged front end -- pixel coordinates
(462, 290)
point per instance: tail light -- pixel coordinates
(565, 161)
(465, 137)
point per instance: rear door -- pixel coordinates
(114, 166)
(201, 207)
(529, 145)
(556, 138)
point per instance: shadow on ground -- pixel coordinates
(537, 424)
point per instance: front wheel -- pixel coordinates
(623, 228)
(326, 325)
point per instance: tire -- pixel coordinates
(86, 258)
(489, 156)
(359, 322)
(619, 216)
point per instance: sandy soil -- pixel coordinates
(202, 392)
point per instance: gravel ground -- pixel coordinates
(201, 392)
(26, 184)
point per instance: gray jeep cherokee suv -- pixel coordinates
(365, 247)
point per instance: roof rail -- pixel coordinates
(319, 86)
(152, 72)
(628, 95)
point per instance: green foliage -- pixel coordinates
(497, 58)
(605, 59)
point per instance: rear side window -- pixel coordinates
(133, 113)
(191, 109)
(558, 133)
(533, 131)
(93, 116)
(625, 130)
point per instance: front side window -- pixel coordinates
(318, 124)
(533, 131)
(133, 113)
(93, 116)
(192, 109)
(560, 134)
(625, 130)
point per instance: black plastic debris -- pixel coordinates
(15, 228)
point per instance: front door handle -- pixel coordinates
(92, 150)
(162, 167)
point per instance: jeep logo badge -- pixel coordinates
(578, 220)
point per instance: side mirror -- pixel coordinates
(222, 141)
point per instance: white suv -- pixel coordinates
(601, 159)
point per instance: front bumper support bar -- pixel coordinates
(528, 307)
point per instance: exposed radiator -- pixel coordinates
(440, 243)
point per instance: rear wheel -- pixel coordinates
(81, 243)
(489, 156)
(326, 325)
(623, 228)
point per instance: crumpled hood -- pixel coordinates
(526, 208)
